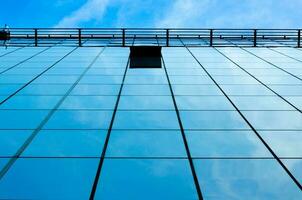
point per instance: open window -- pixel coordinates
(145, 57)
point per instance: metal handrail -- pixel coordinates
(211, 36)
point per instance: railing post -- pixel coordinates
(255, 37)
(123, 35)
(167, 37)
(299, 38)
(211, 37)
(36, 37)
(80, 37)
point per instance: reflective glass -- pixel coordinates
(67, 143)
(226, 144)
(146, 144)
(144, 179)
(12, 140)
(146, 103)
(245, 178)
(39, 178)
(89, 102)
(79, 120)
(145, 120)
(21, 119)
(212, 120)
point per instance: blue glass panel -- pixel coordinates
(226, 144)
(285, 120)
(245, 179)
(146, 90)
(8, 89)
(145, 120)
(297, 101)
(96, 90)
(67, 79)
(146, 102)
(31, 102)
(49, 179)
(79, 120)
(190, 80)
(44, 90)
(196, 90)
(212, 120)
(246, 90)
(3, 162)
(294, 166)
(284, 143)
(89, 102)
(101, 80)
(144, 180)
(260, 103)
(67, 143)
(11, 141)
(155, 79)
(146, 144)
(203, 103)
(21, 119)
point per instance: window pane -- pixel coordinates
(33, 178)
(245, 178)
(144, 180)
(146, 144)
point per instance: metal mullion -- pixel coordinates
(190, 159)
(250, 125)
(102, 158)
(45, 120)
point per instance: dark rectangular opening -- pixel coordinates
(145, 57)
(4, 35)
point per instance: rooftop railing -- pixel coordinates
(172, 37)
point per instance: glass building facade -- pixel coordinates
(212, 123)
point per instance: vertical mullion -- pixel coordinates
(190, 159)
(100, 165)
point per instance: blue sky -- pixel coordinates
(152, 13)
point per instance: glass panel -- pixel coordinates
(67, 143)
(144, 180)
(245, 178)
(21, 119)
(145, 120)
(11, 141)
(212, 120)
(31, 102)
(146, 102)
(146, 144)
(79, 120)
(294, 166)
(285, 120)
(226, 144)
(49, 179)
(284, 143)
(203, 103)
(89, 102)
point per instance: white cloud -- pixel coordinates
(232, 14)
(184, 13)
(91, 10)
